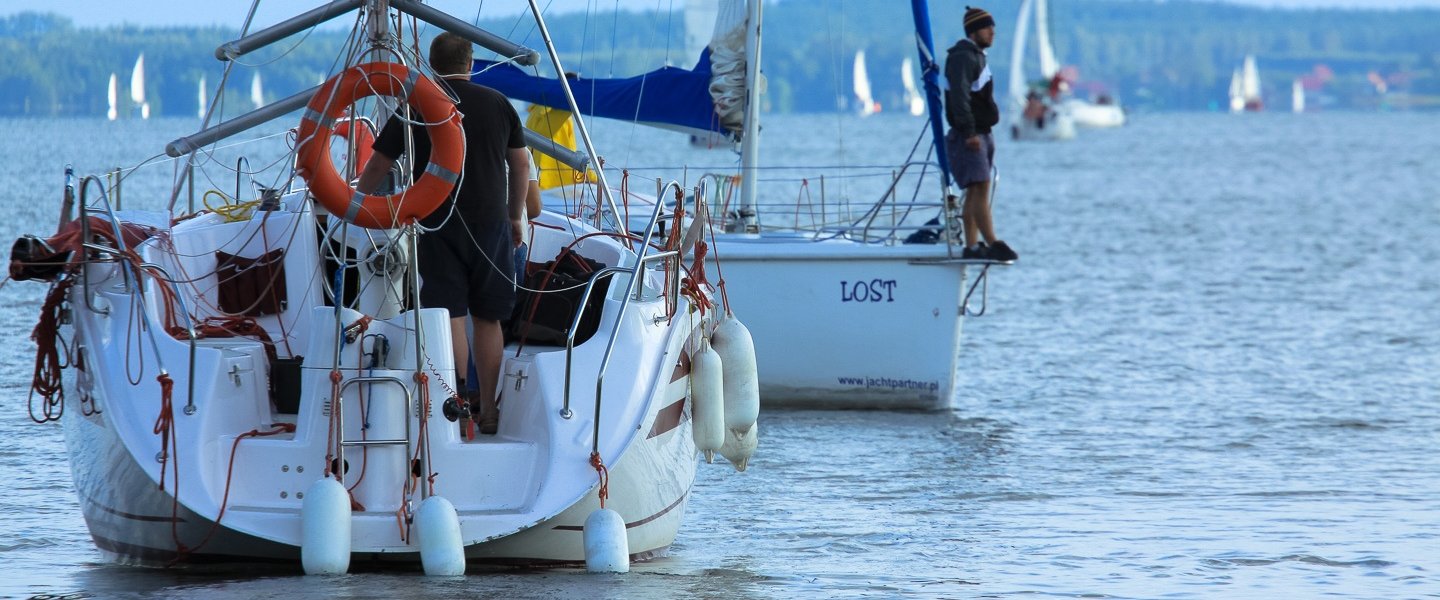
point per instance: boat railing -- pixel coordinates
(632, 293)
(886, 220)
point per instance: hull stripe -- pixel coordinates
(632, 524)
(667, 419)
(682, 368)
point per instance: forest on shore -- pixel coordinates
(1174, 55)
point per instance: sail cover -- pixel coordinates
(669, 97)
(705, 99)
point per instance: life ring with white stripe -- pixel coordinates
(447, 142)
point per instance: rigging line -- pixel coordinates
(219, 95)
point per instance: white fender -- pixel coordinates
(732, 342)
(325, 528)
(607, 549)
(437, 526)
(707, 400)
(739, 447)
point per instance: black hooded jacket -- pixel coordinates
(968, 111)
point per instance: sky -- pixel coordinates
(100, 13)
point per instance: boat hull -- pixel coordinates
(133, 522)
(847, 325)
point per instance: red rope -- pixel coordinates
(164, 427)
(604, 473)
(47, 380)
(330, 428)
(229, 478)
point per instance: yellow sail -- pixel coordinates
(556, 125)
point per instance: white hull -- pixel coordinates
(1089, 114)
(843, 325)
(521, 495)
(1059, 126)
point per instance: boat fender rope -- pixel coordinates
(604, 473)
(164, 427)
(330, 428)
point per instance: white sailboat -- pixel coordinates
(201, 98)
(263, 413)
(1250, 85)
(1237, 92)
(913, 98)
(257, 94)
(816, 293)
(860, 79)
(113, 97)
(1297, 96)
(1035, 109)
(137, 87)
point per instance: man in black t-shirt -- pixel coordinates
(467, 262)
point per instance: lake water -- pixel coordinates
(1214, 373)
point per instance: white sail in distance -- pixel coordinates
(114, 98)
(1049, 65)
(913, 97)
(1251, 80)
(868, 106)
(257, 94)
(1297, 96)
(1237, 94)
(202, 97)
(137, 87)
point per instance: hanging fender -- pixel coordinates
(447, 142)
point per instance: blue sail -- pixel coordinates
(669, 97)
(930, 75)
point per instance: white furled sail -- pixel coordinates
(114, 97)
(257, 94)
(137, 87)
(913, 98)
(727, 64)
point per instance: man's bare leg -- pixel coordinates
(489, 351)
(976, 213)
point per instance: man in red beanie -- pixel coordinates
(971, 112)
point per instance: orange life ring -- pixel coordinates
(447, 142)
(359, 132)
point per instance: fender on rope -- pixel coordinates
(442, 123)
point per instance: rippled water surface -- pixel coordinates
(1215, 372)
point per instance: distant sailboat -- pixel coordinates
(1237, 92)
(202, 98)
(137, 87)
(1297, 96)
(114, 97)
(868, 105)
(1245, 88)
(913, 97)
(257, 94)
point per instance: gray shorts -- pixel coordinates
(970, 166)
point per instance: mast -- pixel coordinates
(930, 76)
(750, 143)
